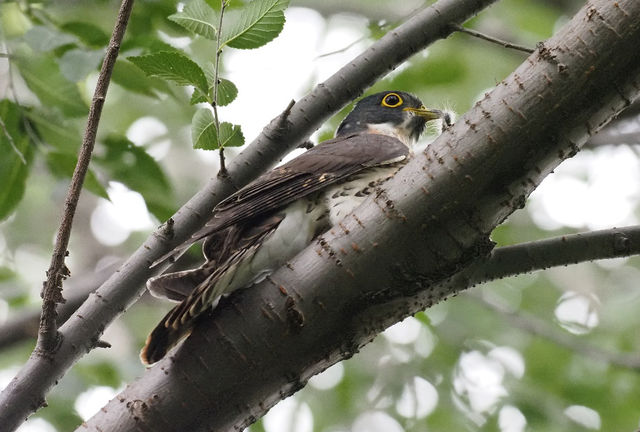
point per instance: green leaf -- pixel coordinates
(173, 67)
(230, 135)
(43, 39)
(90, 34)
(132, 166)
(56, 129)
(77, 63)
(198, 17)
(203, 130)
(63, 164)
(227, 91)
(145, 44)
(260, 23)
(6, 274)
(17, 156)
(133, 79)
(43, 77)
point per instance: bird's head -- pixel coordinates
(395, 113)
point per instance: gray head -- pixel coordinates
(394, 113)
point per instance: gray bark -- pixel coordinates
(81, 333)
(396, 254)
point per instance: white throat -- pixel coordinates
(390, 130)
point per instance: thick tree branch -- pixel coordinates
(619, 131)
(82, 332)
(428, 223)
(502, 262)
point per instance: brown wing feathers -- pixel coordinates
(244, 218)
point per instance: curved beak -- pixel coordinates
(431, 114)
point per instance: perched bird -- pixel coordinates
(269, 221)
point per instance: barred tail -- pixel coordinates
(163, 338)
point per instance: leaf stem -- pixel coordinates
(214, 103)
(13, 144)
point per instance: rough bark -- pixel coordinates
(26, 392)
(396, 254)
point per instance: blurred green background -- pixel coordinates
(494, 358)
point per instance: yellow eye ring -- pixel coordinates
(392, 100)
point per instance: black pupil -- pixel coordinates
(392, 100)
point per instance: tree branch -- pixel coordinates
(554, 252)
(26, 392)
(532, 324)
(503, 262)
(492, 39)
(427, 223)
(52, 289)
(24, 326)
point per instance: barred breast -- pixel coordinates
(344, 197)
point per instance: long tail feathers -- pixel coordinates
(162, 339)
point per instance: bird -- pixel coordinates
(266, 223)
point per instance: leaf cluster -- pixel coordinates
(257, 24)
(55, 59)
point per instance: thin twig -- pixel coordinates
(13, 144)
(58, 271)
(497, 41)
(341, 50)
(223, 168)
(534, 325)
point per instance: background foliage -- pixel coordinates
(491, 359)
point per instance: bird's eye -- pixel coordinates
(392, 100)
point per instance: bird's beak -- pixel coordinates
(427, 114)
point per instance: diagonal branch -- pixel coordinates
(503, 262)
(48, 336)
(534, 325)
(428, 223)
(25, 394)
(492, 39)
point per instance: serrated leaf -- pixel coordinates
(132, 166)
(90, 34)
(227, 91)
(43, 77)
(260, 23)
(43, 39)
(203, 130)
(62, 165)
(230, 135)
(173, 67)
(198, 17)
(133, 79)
(204, 136)
(17, 155)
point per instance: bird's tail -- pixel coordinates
(164, 337)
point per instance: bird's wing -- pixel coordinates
(323, 165)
